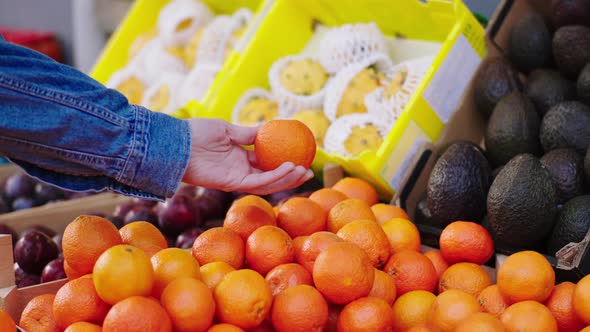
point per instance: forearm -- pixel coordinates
(65, 128)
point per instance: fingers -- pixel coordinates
(242, 135)
(277, 180)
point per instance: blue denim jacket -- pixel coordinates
(65, 128)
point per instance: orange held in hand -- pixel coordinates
(280, 141)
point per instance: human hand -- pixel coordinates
(218, 160)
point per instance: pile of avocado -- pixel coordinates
(530, 185)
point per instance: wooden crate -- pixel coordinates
(55, 216)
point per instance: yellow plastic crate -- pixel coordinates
(288, 26)
(141, 18)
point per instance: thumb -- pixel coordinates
(241, 134)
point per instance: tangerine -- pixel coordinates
(411, 309)
(357, 188)
(170, 264)
(78, 301)
(480, 322)
(411, 271)
(268, 247)
(582, 299)
(464, 241)
(190, 304)
(143, 235)
(440, 265)
(83, 327)
(7, 323)
(224, 328)
(299, 308)
(37, 315)
(384, 287)
(492, 301)
(312, 246)
(249, 200)
(561, 305)
(327, 198)
(244, 220)
(366, 314)
(212, 273)
(369, 236)
(526, 275)
(219, 244)
(280, 141)
(300, 216)
(468, 277)
(385, 212)
(348, 211)
(402, 235)
(450, 308)
(286, 276)
(137, 314)
(528, 316)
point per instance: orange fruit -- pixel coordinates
(385, 212)
(299, 308)
(253, 200)
(190, 305)
(286, 276)
(268, 247)
(327, 198)
(71, 273)
(411, 271)
(333, 314)
(412, 309)
(450, 308)
(440, 265)
(143, 235)
(219, 244)
(402, 235)
(586, 329)
(525, 275)
(243, 298)
(357, 188)
(480, 322)
(298, 243)
(312, 246)
(224, 328)
(343, 273)
(212, 273)
(276, 209)
(7, 323)
(465, 241)
(528, 316)
(384, 287)
(170, 264)
(561, 305)
(280, 141)
(468, 277)
(85, 239)
(246, 219)
(492, 301)
(78, 301)
(137, 314)
(38, 315)
(83, 327)
(369, 236)
(423, 327)
(301, 216)
(123, 271)
(582, 299)
(348, 211)
(366, 314)
(266, 326)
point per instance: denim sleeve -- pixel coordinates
(65, 128)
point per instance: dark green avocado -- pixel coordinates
(566, 125)
(587, 165)
(512, 129)
(566, 167)
(530, 43)
(570, 12)
(495, 78)
(571, 49)
(547, 88)
(583, 85)
(573, 222)
(522, 202)
(458, 185)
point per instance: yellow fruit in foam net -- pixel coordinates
(353, 98)
(160, 100)
(141, 41)
(316, 121)
(395, 85)
(190, 50)
(233, 41)
(363, 138)
(257, 111)
(132, 88)
(303, 77)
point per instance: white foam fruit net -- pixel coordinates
(292, 102)
(197, 83)
(339, 83)
(153, 59)
(252, 94)
(179, 20)
(341, 129)
(350, 43)
(160, 96)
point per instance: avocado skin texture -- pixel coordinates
(572, 224)
(587, 165)
(530, 43)
(570, 12)
(583, 85)
(571, 49)
(547, 88)
(566, 125)
(522, 202)
(495, 78)
(512, 129)
(458, 185)
(566, 167)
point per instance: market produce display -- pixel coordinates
(347, 90)
(179, 59)
(20, 191)
(266, 269)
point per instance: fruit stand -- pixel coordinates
(459, 201)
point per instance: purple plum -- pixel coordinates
(46, 193)
(141, 213)
(23, 203)
(220, 196)
(18, 185)
(213, 223)
(188, 191)
(176, 215)
(144, 202)
(57, 239)
(54, 270)
(122, 209)
(39, 228)
(208, 208)
(33, 251)
(186, 239)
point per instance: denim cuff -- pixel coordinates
(159, 155)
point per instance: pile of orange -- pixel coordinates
(336, 261)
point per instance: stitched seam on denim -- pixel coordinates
(58, 97)
(130, 160)
(92, 160)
